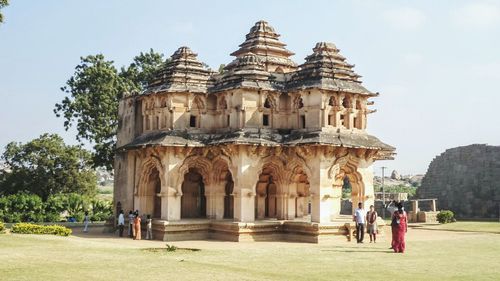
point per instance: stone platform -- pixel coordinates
(260, 230)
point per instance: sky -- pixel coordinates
(436, 64)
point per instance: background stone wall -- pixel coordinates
(465, 180)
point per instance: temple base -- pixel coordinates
(262, 230)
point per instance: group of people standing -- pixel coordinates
(134, 225)
(399, 225)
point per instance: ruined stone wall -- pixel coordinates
(465, 180)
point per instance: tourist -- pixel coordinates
(359, 218)
(371, 223)
(86, 221)
(131, 224)
(149, 228)
(391, 207)
(400, 222)
(121, 223)
(137, 226)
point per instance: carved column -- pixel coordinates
(281, 205)
(170, 205)
(247, 165)
(214, 194)
(291, 203)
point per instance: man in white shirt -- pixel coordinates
(360, 219)
(121, 222)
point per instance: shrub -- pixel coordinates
(171, 248)
(101, 210)
(2, 227)
(29, 228)
(22, 207)
(446, 216)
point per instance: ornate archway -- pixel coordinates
(147, 195)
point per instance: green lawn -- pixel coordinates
(431, 255)
(493, 227)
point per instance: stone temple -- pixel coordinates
(258, 151)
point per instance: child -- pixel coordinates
(121, 223)
(86, 221)
(149, 228)
(371, 219)
(131, 217)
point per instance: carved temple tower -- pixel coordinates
(261, 148)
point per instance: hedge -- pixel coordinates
(29, 228)
(2, 227)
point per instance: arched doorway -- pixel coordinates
(193, 200)
(228, 197)
(302, 201)
(266, 200)
(148, 202)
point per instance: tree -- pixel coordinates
(3, 4)
(93, 95)
(46, 166)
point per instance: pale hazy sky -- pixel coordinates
(436, 64)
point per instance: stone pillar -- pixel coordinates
(281, 205)
(291, 204)
(219, 205)
(210, 199)
(301, 206)
(244, 205)
(170, 205)
(433, 205)
(414, 206)
(322, 197)
(367, 193)
(261, 206)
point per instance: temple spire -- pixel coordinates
(262, 41)
(183, 73)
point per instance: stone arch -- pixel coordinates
(349, 170)
(224, 184)
(198, 103)
(151, 184)
(194, 175)
(193, 200)
(200, 163)
(298, 102)
(222, 102)
(270, 187)
(346, 102)
(299, 188)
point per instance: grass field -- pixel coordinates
(493, 227)
(431, 255)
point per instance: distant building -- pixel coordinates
(264, 139)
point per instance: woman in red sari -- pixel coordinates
(400, 227)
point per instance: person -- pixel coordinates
(392, 207)
(371, 224)
(131, 218)
(400, 222)
(121, 223)
(149, 228)
(137, 226)
(359, 218)
(86, 221)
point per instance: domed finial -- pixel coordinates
(183, 52)
(325, 47)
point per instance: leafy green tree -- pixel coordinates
(3, 4)
(47, 166)
(92, 102)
